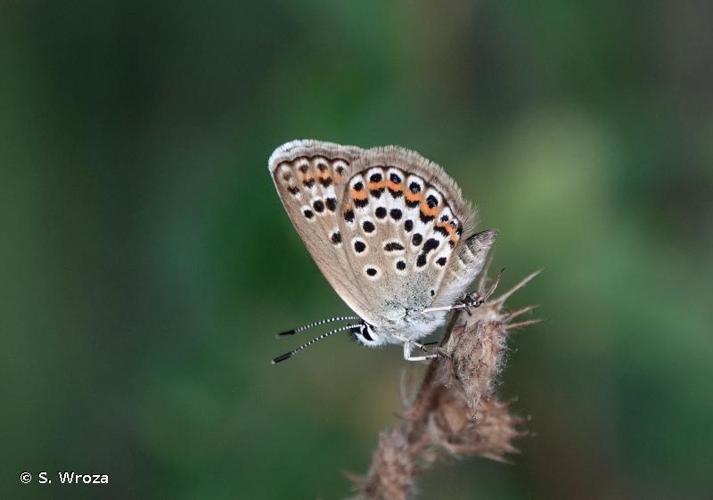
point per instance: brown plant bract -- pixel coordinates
(455, 412)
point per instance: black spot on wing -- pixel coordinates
(395, 194)
(425, 218)
(431, 244)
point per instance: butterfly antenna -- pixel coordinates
(316, 323)
(288, 355)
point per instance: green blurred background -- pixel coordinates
(146, 261)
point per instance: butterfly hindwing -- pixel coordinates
(402, 219)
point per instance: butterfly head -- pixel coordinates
(365, 334)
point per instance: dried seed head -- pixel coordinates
(392, 469)
(455, 412)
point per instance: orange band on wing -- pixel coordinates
(450, 230)
(447, 227)
(428, 211)
(413, 197)
(374, 186)
(394, 186)
(359, 195)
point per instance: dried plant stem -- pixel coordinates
(455, 412)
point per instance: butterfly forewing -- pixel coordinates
(310, 177)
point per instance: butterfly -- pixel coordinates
(391, 233)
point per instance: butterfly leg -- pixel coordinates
(469, 300)
(408, 347)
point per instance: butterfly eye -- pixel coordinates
(365, 333)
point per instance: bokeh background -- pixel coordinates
(145, 260)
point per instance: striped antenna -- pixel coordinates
(288, 355)
(316, 323)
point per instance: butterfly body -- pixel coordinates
(389, 230)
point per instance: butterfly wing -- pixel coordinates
(389, 229)
(404, 222)
(310, 177)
